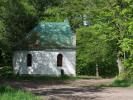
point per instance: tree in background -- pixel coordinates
(106, 37)
(95, 51)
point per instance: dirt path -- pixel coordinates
(75, 90)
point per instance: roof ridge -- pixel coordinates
(50, 22)
(55, 22)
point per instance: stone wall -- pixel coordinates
(45, 62)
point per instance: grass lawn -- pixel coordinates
(8, 93)
(122, 83)
(117, 83)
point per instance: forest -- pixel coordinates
(104, 30)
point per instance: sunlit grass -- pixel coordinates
(8, 93)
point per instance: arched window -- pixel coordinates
(29, 60)
(59, 60)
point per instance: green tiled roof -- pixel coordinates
(47, 35)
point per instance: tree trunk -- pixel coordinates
(120, 65)
(97, 71)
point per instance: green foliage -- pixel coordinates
(5, 71)
(93, 48)
(127, 47)
(108, 35)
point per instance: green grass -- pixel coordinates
(6, 71)
(117, 83)
(121, 83)
(87, 77)
(8, 93)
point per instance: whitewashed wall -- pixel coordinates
(45, 62)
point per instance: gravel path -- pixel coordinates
(75, 90)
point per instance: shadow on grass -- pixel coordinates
(35, 81)
(38, 78)
(48, 78)
(29, 78)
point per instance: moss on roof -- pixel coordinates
(47, 35)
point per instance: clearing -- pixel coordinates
(81, 89)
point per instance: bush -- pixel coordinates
(6, 71)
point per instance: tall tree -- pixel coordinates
(116, 15)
